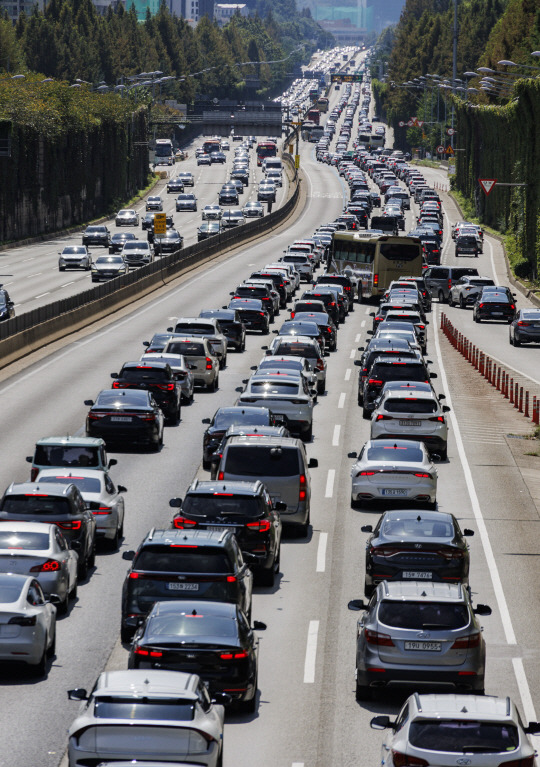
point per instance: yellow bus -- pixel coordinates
(375, 259)
(322, 104)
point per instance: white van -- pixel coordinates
(272, 163)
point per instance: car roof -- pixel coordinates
(25, 527)
(195, 607)
(140, 683)
(33, 488)
(174, 537)
(70, 471)
(264, 441)
(72, 441)
(227, 486)
(420, 591)
(465, 706)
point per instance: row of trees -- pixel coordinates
(70, 40)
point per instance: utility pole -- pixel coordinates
(454, 66)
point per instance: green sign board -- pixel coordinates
(339, 78)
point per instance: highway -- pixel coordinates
(307, 713)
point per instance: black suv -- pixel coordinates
(231, 416)
(96, 235)
(170, 242)
(329, 300)
(228, 195)
(339, 279)
(230, 324)
(156, 377)
(242, 508)
(54, 504)
(278, 284)
(380, 347)
(391, 369)
(7, 307)
(179, 564)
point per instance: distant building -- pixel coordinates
(14, 8)
(343, 18)
(224, 11)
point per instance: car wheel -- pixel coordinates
(368, 590)
(363, 692)
(223, 363)
(64, 605)
(304, 529)
(266, 330)
(321, 386)
(517, 342)
(441, 297)
(62, 268)
(366, 413)
(476, 319)
(114, 543)
(92, 556)
(82, 570)
(52, 649)
(267, 576)
(73, 592)
(450, 300)
(39, 669)
(308, 435)
(443, 452)
(214, 386)
(249, 706)
(126, 634)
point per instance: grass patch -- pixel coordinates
(535, 453)
(426, 163)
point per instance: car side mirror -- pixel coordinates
(224, 307)
(429, 362)
(441, 397)
(372, 314)
(54, 599)
(114, 375)
(146, 343)
(244, 381)
(175, 503)
(533, 728)
(468, 532)
(128, 555)
(112, 462)
(79, 693)
(313, 463)
(259, 626)
(446, 409)
(222, 698)
(121, 489)
(358, 363)
(253, 367)
(231, 293)
(239, 389)
(356, 605)
(205, 420)
(382, 722)
(264, 347)
(433, 375)
(482, 610)
(353, 454)
(361, 348)
(89, 402)
(369, 332)
(29, 459)
(280, 506)
(367, 528)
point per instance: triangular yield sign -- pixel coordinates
(420, 123)
(487, 184)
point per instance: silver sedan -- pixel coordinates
(101, 497)
(393, 470)
(32, 548)
(74, 257)
(127, 218)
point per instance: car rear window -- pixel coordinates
(36, 504)
(395, 453)
(239, 417)
(261, 461)
(423, 615)
(186, 348)
(398, 371)
(410, 405)
(147, 709)
(85, 484)
(192, 625)
(22, 540)
(271, 387)
(454, 734)
(179, 559)
(57, 455)
(210, 505)
(142, 374)
(296, 350)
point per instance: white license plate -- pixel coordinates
(423, 646)
(416, 575)
(183, 586)
(217, 528)
(497, 314)
(410, 422)
(396, 491)
(121, 419)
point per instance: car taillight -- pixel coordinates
(320, 364)
(231, 579)
(183, 522)
(22, 620)
(292, 315)
(481, 306)
(76, 525)
(527, 761)
(93, 416)
(221, 476)
(449, 284)
(233, 655)
(118, 385)
(437, 418)
(512, 306)
(49, 566)
(450, 553)
(208, 363)
(405, 760)
(523, 324)
(375, 637)
(261, 526)
(149, 417)
(302, 492)
(382, 417)
(422, 474)
(366, 473)
(329, 329)
(375, 382)
(166, 387)
(467, 643)
(147, 653)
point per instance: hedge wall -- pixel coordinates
(503, 142)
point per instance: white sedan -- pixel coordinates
(127, 217)
(27, 622)
(32, 548)
(101, 497)
(146, 715)
(393, 470)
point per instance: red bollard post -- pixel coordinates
(526, 410)
(498, 384)
(536, 411)
(516, 395)
(520, 406)
(511, 391)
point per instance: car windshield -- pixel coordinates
(24, 540)
(395, 453)
(410, 405)
(439, 526)
(192, 624)
(239, 417)
(460, 736)
(74, 250)
(36, 504)
(111, 398)
(138, 710)
(261, 461)
(85, 484)
(210, 505)
(110, 260)
(180, 559)
(421, 615)
(66, 455)
(9, 592)
(136, 246)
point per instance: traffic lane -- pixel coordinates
(147, 503)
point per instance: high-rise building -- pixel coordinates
(14, 8)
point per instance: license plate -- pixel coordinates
(217, 528)
(410, 422)
(183, 586)
(121, 419)
(497, 314)
(425, 646)
(394, 491)
(416, 575)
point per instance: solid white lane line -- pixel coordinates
(352, 354)
(330, 483)
(524, 691)
(311, 652)
(348, 374)
(495, 275)
(477, 511)
(321, 554)
(335, 438)
(43, 294)
(341, 403)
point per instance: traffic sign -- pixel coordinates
(297, 161)
(401, 123)
(410, 123)
(451, 131)
(487, 184)
(341, 78)
(419, 123)
(449, 150)
(160, 223)
(440, 149)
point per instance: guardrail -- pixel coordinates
(30, 331)
(506, 382)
